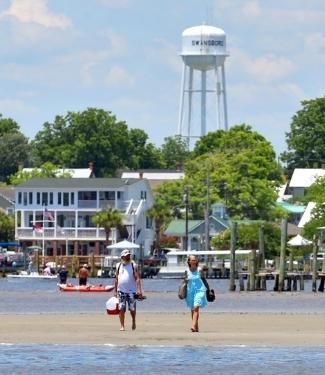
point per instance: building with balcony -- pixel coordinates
(56, 213)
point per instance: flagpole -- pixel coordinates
(43, 234)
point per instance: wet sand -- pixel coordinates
(169, 329)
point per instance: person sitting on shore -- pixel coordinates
(83, 275)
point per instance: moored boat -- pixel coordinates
(85, 288)
(32, 275)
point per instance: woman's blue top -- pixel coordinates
(196, 290)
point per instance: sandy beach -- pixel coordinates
(166, 329)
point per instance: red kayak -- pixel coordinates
(86, 288)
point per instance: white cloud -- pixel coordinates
(117, 44)
(270, 68)
(264, 69)
(36, 11)
(117, 76)
(252, 9)
(16, 105)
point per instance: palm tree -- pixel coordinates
(108, 218)
(161, 215)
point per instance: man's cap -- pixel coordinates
(125, 252)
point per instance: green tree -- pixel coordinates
(46, 170)
(248, 238)
(316, 193)
(8, 125)
(7, 227)
(237, 167)
(14, 148)
(306, 139)
(168, 204)
(174, 152)
(108, 218)
(143, 155)
(92, 135)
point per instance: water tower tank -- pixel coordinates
(203, 77)
(203, 47)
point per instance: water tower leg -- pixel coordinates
(218, 94)
(225, 112)
(203, 102)
(190, 95)
(181, 107)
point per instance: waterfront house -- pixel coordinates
(56, 213)
(155, 177)
(7, 199)
(302, 178)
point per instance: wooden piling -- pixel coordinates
(284, 228)
(252, 270)
(241, 282)
(233, 241)
(261, 247)
(321, 283)
(263, 282)
(314, 282)
(302, 282)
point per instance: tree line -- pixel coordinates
(238, 167)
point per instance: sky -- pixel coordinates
(122, 56)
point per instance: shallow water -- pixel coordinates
(43, 296)
(98, 359)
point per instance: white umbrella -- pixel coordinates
(298, 240)
(123, 245)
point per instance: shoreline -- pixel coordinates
(166, 329)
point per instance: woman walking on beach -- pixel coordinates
(196, 290)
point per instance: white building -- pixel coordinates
(56, 213)
(302, 178)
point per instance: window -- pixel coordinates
(107, 195)
(65, 199)
(51, 198)
(38, 198)
(44, 199)
(30, 198)
(25, 199)
(143, 194)
(59, 198)
(87, 195)
(71, 198)
(19, 198)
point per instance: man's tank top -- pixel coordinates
(126, 280)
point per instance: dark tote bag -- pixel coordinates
(182, 290)
(210, 295)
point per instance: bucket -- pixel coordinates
(112, 306)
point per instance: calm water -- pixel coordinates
(95, 360)
(42, 296)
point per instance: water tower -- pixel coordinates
(203, 54)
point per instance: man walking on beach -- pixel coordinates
(127, 287)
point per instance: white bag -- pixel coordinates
(112, 306)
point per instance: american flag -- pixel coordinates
(48, 214)
(37, 228)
